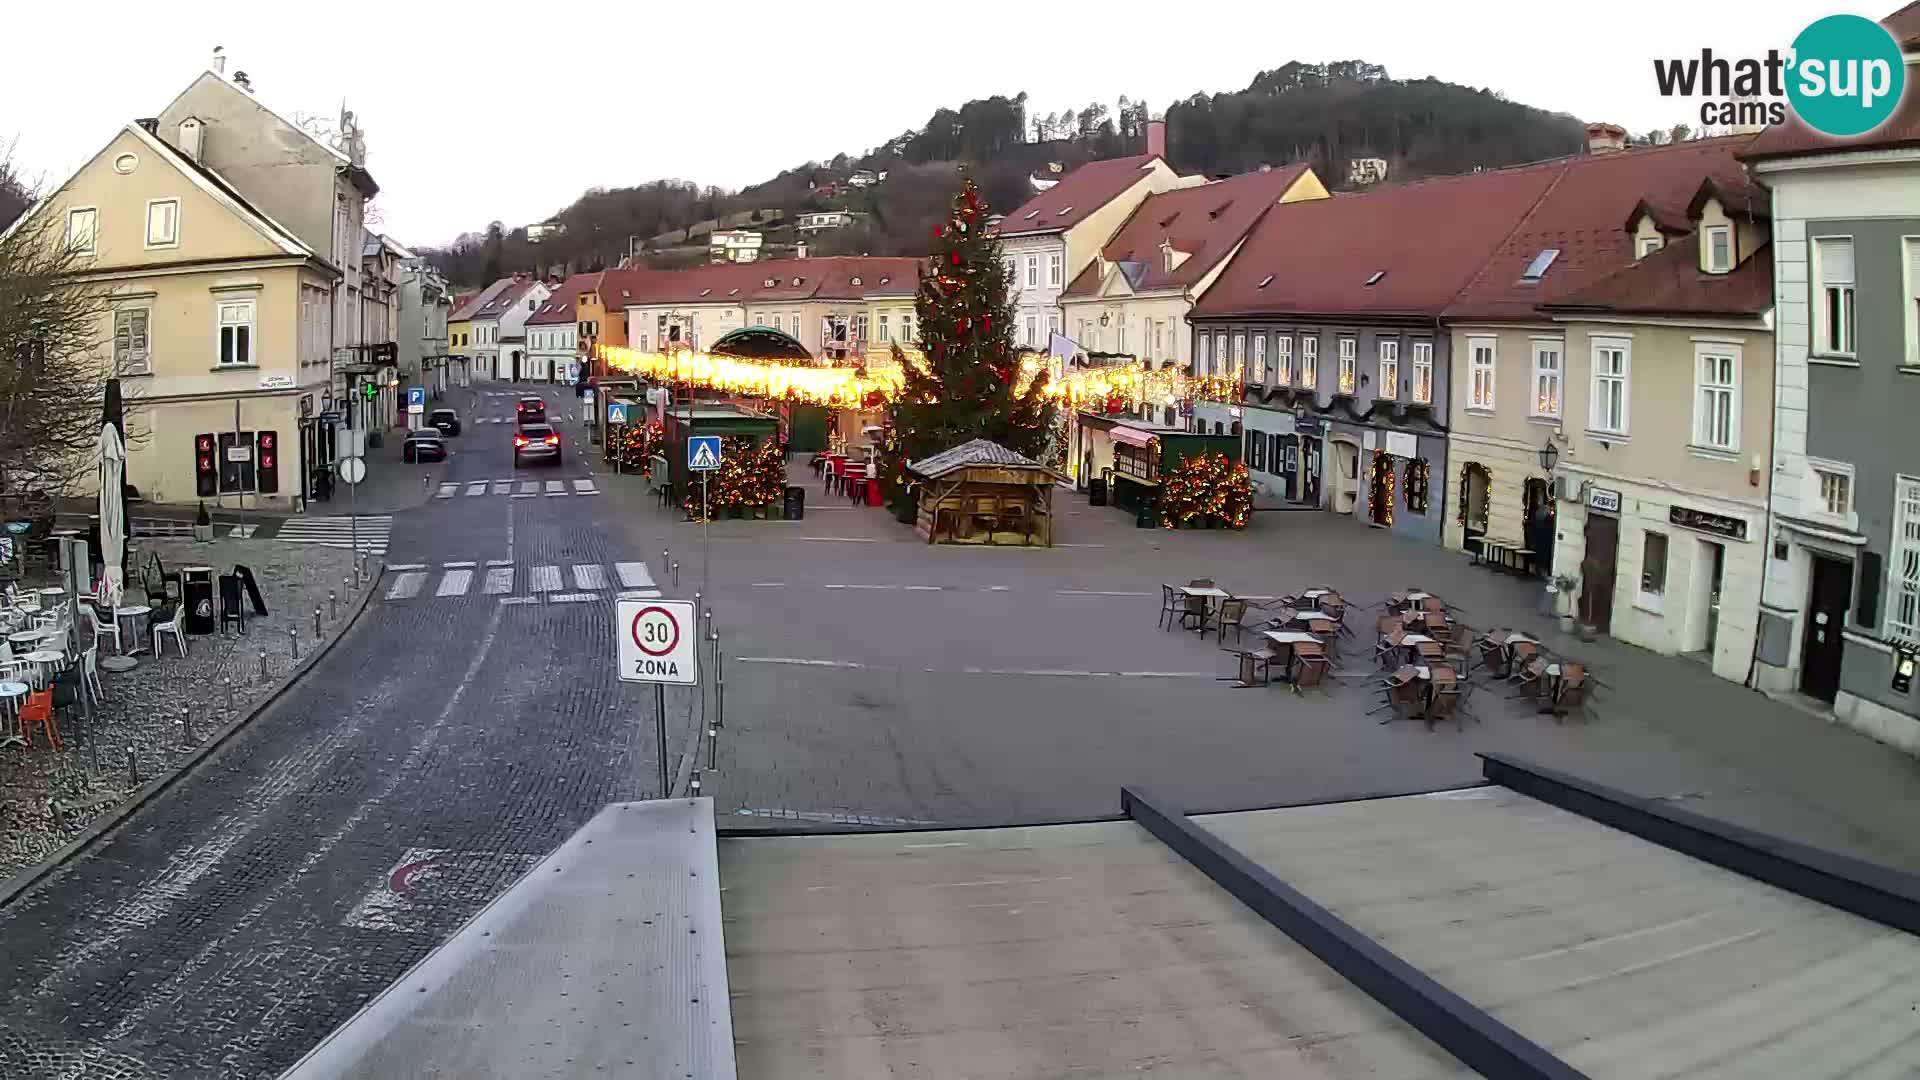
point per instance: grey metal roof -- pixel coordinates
(970, 454)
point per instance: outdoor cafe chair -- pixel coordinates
(1170, 606)
(1255, 665)
(12, 668)
(1572, 696)
(1530, 678)
(90, 673)
(1445, 705)
(1231, 613)
(39, 710)
(159, 631)
(103, 629)
(1309, 671)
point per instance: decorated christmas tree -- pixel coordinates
(1209, 490)
(967, 383)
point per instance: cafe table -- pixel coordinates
(1289, 639)
(28, 637)
(1206, 594)
(11, 694)
(45, 659)
(125, 661)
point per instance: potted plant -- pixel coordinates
(1591, 570)
(203, 525)
(1562, 588)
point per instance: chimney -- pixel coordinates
(240, 80)
(800, 250)
(1605, 138)
(219, 60)
(1157, 138)
(191, 132)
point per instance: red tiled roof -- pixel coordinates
(502, 302)
(793, 281)
(1314, 257)
(1204, 222)
(1670, 282)
(465, 310)
(1794, 138)
(1904, 25)
(558, 310)
(1580, 216)
(1077, 195)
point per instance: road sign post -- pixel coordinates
(703, 457)
(658, 642)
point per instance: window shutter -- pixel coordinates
(1913, 266)
(1866, 609)
(1836, 260)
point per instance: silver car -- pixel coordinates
(536, 442)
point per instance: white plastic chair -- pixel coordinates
(12, 668)
(90, 672)
(111, 629)
(171, 626)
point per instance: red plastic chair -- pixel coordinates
(39, 710)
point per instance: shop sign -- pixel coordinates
(1686, 517)
(1605, 499)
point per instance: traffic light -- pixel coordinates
(267, 476)
(206, 481)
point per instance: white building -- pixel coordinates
(553, 333)
(733, 245)
(499, 330)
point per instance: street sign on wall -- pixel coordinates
(658, 640)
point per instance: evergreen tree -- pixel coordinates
(967, 386)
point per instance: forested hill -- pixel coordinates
(1325, 114)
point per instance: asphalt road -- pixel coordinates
(445, 742)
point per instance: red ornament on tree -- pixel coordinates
(956, 258)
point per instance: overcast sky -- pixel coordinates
(473, 112)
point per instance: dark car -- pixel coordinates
(531, 410)
(536, 442)
(445, 421)
(426, 444)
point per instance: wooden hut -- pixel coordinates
(983, 493)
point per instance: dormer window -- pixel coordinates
(797, 281)
(706, 292)
(1649, 245)
(1718, 242)
(733, 292)
(1374, 278)
(1264, 282)
(1537, 269)
(1067, 211)
(1031, 214)
(883, 281)
(856, 280)
(767, 284)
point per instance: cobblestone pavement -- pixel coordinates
(870, 675)
(441, 746)
(141, 712)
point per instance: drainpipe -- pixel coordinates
(1766, 531)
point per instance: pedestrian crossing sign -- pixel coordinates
(703, 452)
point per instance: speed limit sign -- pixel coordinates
(658, 640)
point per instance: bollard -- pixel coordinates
(293, 643)
(133, 767)
(676, 575)
(58, 813)
(720, 701)
(263, 665)
(316, 622)
(693, 792)
(666, 558)
(333, 604)
(93, 754)
(713, 748)
(186, 728)
(229, 683)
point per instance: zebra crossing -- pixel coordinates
(516, 488)
(372, 531)
(513, 583)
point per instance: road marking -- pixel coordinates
(478, 487)
(1079, 545)
(456, 565)
(924, 588)
(843, 539)
(997, 588)
(455, 583)
(1166, 674)
(529, 487)
(406, 586)
(397, 567)
(837, 817)
(833, 586)
(797, 661)
(502, 487)
(993, 881)
(1099, 592)
(640, 592)
(872, 586)
(546, 579)
(585, 487)
(769, 585)
(519, 600)
(950, 843)
(499, 581)
(525, 495)
(589, 576)
(446, 491)
(555, 487)
(633, 575)
(499, 562)
(573, 597)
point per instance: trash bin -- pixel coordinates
(196, 588)
(1096, 492)
(794, 506)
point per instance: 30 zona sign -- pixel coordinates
(658, 639)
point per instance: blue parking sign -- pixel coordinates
(703, 452)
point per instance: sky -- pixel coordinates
(478, 112)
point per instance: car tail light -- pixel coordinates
(519, 440)
(553, 440)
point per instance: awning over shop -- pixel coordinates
(1132, 436)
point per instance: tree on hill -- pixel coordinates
(967, 384)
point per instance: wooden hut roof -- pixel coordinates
(975, 454)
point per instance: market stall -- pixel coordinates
(983, 493)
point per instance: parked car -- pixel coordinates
(531, 410)
(445, 421)
(426, 444)
(536, 442)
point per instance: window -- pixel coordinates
(1283, 360)
(1309, 362)
(163, 223)
(1833, 267)
(1120, 342)
(1033, 271)
(1423, 372)
(1007, 265)
(236, 333)
(1903, 586)
(1053, 270)
(1260, 358)
(1716, 398)
(130, 354)
(1537, 267)
(1653, 571)
(1389, 387)
(1649, 245)
(1220, 354)
(1031, 328)
(1203, 361)
(1611, 369)
(1913, 301)
(1834, 490)
(1719, 240)
(886, 334)
(80, 230)
(1053, 326)
(1546, 378)
(1239, 356)
(1480, 366)
(1348, 351)
(795, 322)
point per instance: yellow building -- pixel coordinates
(218, 321)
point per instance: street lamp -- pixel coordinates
(1549, 455)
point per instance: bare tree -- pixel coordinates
(53, 368)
